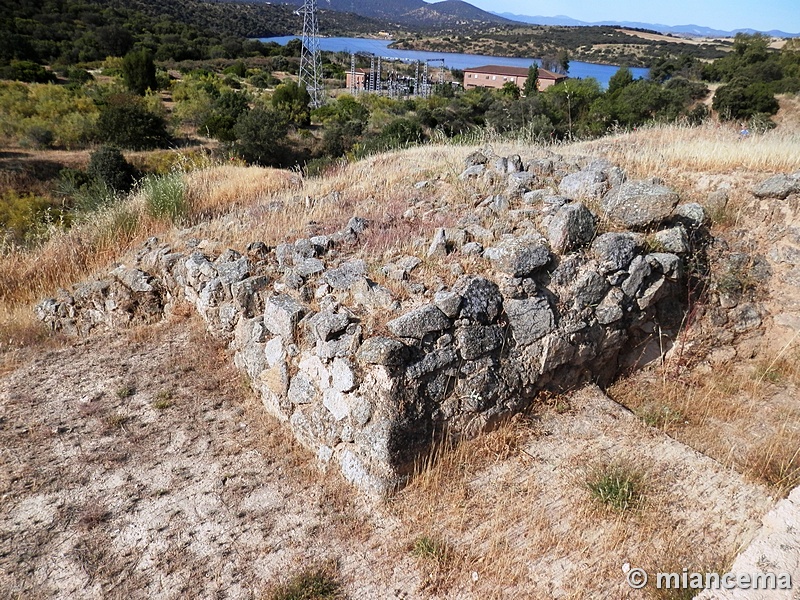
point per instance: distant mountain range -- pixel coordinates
(696, 30)
(414, 13)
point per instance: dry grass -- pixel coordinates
(518, 503)
(736, 412)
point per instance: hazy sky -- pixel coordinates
(720, 14)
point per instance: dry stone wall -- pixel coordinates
(554, 306)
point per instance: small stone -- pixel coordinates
(343, 277)
(343, 376)
(615, 251)
(519, 257)
(777, 186)
(481, 299)
(583, 185)
(473, 341)
(472, 249)
(327, 325)
(472, 172)
(638, 271)
(692, 214)
(302, 389)
(357, 225)
(639, 204)
(448, 302)
(610, 309)
(572, 226)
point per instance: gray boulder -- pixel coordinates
(481, 301)
(519, 256)
(473, 341)
(326, 325)
(344, 276)
(571, 227)
(417, 323)
(639, 204)
(615, 251)
(583, 185)
(530, 319)
(673, 240)
(777, 186)
(382, 351)
(282, 314)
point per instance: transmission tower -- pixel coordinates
(310, 59)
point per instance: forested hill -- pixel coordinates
(70, 31)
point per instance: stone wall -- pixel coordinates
(554, 305)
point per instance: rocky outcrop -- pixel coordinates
(367, 381)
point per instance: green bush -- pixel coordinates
(742, 100)
(317, 583)
(24, 216)
(108, 166)
(128, 124)
(261, 137)
(292, 100)
(25, 70)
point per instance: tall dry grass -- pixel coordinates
(104, 237)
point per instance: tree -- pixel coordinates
(740, 100)
(139, 72)
(292, 100)
(532, 82)
(622, 78)
(510, 90)
(562, 60)
(261, 136)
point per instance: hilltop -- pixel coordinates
(139, 454)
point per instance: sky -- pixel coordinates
(763, 15)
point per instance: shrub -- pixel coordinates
(261, 135)
(108, 166)
(40, 137)
(740, 100)
(128, 124)
(25, 70)
(292, 100)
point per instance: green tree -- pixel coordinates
(562, 60)
(139, 72)
(510, 90)
(293, 101)
(622, 78)
(741, 100)
(532, 82)
(261, 137)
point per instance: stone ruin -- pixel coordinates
(555, 304)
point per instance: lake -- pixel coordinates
(455, 61)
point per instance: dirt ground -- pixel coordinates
(136, 466)
(139, 465)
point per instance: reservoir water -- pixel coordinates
(455, 61)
